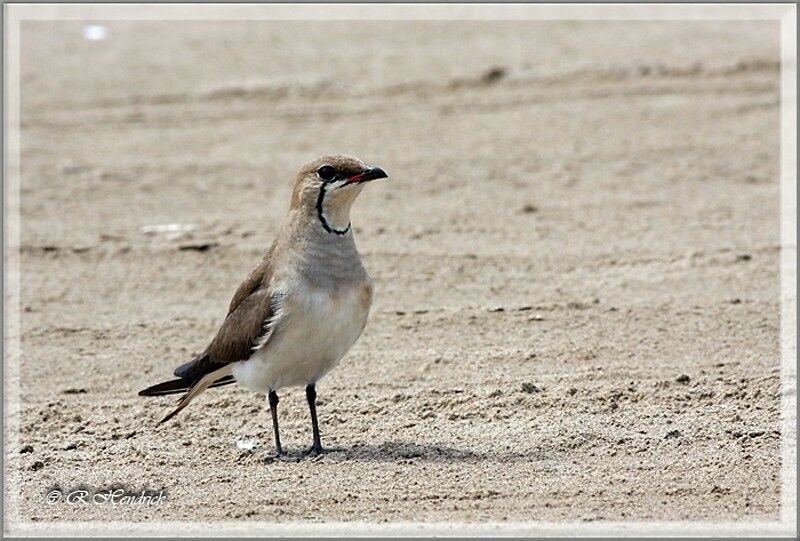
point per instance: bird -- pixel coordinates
(298, 312)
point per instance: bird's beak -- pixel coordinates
(372, 173)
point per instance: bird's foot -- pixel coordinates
(316, 450)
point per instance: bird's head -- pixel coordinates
(327, 188)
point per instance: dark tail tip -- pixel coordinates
(174, 386)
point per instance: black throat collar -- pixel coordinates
(321, 214)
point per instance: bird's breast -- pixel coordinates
(317, 328)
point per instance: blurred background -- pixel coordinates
(575, 260)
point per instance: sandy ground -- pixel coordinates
(575, 263)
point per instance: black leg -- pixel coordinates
(273, 408)
(311, 395)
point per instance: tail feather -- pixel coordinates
(180, 385)
(217, 378)
(204, 383)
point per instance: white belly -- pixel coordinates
(315, 331)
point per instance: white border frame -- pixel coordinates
(785, 13)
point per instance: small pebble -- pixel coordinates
(493, 75)
(530, 388)
(95, 32)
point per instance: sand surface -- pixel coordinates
(576, 265)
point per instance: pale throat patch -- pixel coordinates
(333, 206)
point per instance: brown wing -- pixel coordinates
(251, 310)
(243, 327)
(259, 277)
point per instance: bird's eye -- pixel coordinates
(326, 172)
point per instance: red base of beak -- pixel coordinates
(373, 173)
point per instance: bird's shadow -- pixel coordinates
(396, 451)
